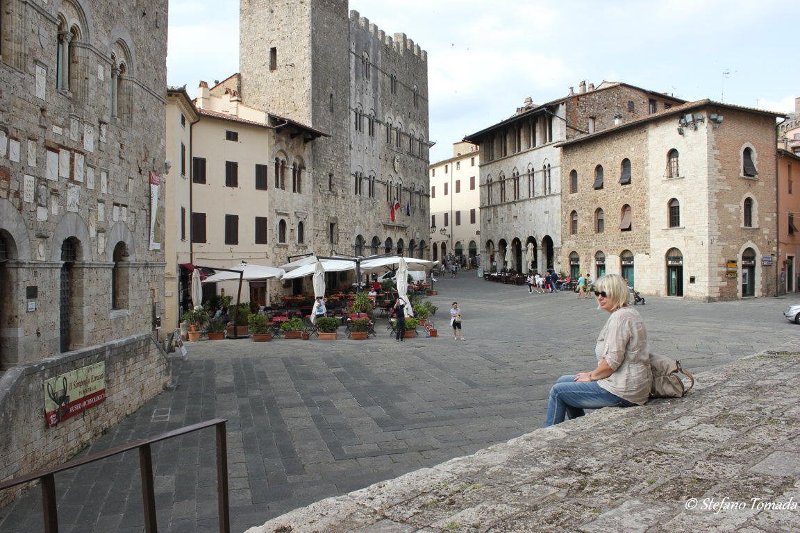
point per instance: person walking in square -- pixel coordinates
(582, 286)
(455, 322)
(400, 315)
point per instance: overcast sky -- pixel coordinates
(484, 57)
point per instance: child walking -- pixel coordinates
(455, 321)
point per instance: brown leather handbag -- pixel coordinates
(667, 381)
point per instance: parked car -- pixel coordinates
(792, 313)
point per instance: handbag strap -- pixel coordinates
(687, 374)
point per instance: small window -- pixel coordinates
(472, 161)
(672, 164)
(183, 120)
(458, 165)
(631, 106)
(433, 221)
(445, 169)
(330, 181)
(472, 183)
(261, 230)
(282, 231)
(792, 228)
(445, 187)
(674, 213)
(472, 216)
(183, 159)
(458, 218)
(393, 83)
(231, 135)
(332, 233)
(231, 174)
(652, 106)
(598, 177)
(119, 278)
(446, 220)
(626, 218)
(273, 58)
(590, 124)
(231, 229)
(599, 221)
(573, 223)
(573, 181)
(458, 186)
(625, 172)
(301, 236)
(433, 172)
(183, 223)
(199, 169)
(433, 191)
(749, 167)
(748, 213)
(261, 177)
(198, 227)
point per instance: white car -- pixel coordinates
(793, 313)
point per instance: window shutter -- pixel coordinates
(198, 227)
(598, 181)
(749, 167)
(625, 224)
(625, 178)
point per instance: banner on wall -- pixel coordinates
(69, 394)
(156, 224)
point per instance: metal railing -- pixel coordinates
(47, 476)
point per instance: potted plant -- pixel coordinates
(361, 303)
(240, 315)
(259, 328)
(411, 327)
(216, 329)
(359, 329)
(293, 328)
(197, 318)
(327, 327)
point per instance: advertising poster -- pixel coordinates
(67, 395)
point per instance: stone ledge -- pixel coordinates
(732, 439)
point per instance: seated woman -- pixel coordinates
(622, 377)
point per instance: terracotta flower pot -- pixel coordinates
(240, 330)
(291, 334)
(305, 335)
(216, 335)
(410, 334)
(261, 337)
(433, 332)
(194, 336)
(327, 336)
(359, 335)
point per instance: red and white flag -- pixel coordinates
(393, 209)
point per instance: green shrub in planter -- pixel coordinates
(411, 323)
(216, 325)
(257, 323)
(361, 303)
(198, 316)
(359, 324)
(293, 324)
(327, 324)
(242, 313)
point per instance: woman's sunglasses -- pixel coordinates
(601, 293)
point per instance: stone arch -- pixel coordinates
(14, 226)
(120, 232)
(71, 225)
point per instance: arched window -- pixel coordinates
(600, 264)
(502, 180)
(672, 164)
(674, 213)
(599, 221)
(388, 245)
(435, 253)
(573, 181)
(400, 246)
(301, 234)
(573, 223)
(748, 163)
(574, 265)
(548, 182)
(748, 212)
(282, 231)
(366, 65)
(489, 191)
(119, 278)
(626, 218)
(376, 243)
(598, 177)
(358, 249)
(625, 172)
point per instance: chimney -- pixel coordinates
(528, 102)
(591, 87)
(571, 91)
(582, 87)
(202, 95)
(797, 105)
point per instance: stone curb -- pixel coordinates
(724, 457)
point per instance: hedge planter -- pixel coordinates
(358, 335)
(240, 331)
(216, 335)
(291, 334)
(261, 337)
(327, 336)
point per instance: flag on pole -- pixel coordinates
(395, 206)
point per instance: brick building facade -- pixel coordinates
(701, 202)
(522, 174)
(81, 210)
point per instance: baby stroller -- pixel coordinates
(637, 298)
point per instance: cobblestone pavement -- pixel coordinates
(311, 419)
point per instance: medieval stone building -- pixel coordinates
(81, 225)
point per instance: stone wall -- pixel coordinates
(135, 372)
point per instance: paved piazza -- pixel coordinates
(311, 419)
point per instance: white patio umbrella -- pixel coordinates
(371, 265)
(197, 289)
(249, 272)
(401, 279)
(303, 261)
(319, 280)
(328, 265)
